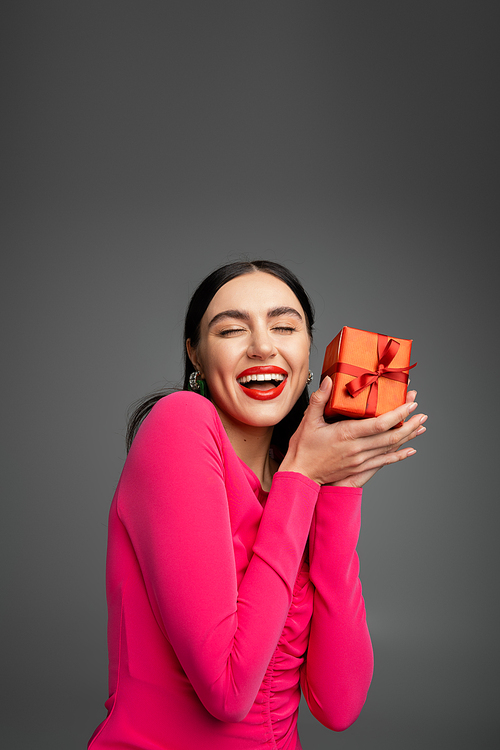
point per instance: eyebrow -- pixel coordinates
(275, 312)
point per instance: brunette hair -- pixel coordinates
(200, 300)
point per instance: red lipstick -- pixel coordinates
(263, 395)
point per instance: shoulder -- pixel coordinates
(178, 446)
(180, 418)
(183, 405)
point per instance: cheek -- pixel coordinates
(303, 357)
(217, 363)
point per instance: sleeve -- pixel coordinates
(175, 508)
(337, 672)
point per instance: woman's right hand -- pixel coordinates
(349, 452)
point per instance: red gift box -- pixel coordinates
(369, 373)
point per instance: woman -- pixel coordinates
(232, 573)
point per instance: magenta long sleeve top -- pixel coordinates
(219, 610)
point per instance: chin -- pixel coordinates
(263, 417)
(255, 412)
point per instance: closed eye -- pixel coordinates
(230, 331)
(235, 331)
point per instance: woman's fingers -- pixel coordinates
(392, 447)
(365, 438)
(378, 425)
(366, 471)
(379, 455)
(318, 399)
(376, 462)
(389, 420)
(420, 429)
(374, 449)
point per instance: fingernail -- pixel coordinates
(412, 407)
(324, 385)
(411, 452)
(420, 430)
(423, 418)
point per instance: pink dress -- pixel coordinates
(216, 610)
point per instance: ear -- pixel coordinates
(191, 352)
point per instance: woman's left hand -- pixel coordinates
(358, 480)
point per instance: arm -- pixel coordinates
(342, 457)
(338, 669)
(173, 502)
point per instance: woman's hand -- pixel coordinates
(348, 453)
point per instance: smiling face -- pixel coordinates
(253, 350)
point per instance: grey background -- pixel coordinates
(145, 143)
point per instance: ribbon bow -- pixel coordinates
(369, 378)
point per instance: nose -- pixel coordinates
(261, 346)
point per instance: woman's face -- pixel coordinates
(253, 350)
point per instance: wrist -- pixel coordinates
(296, 468)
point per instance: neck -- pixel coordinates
(252, 444)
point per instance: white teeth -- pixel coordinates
(262, 376)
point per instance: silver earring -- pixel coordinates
(193, 381)
(309, 378)
(197, 384)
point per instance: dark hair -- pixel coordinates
(196, 309)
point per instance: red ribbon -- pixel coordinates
(368, 378)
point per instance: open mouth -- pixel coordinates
(263, 383)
